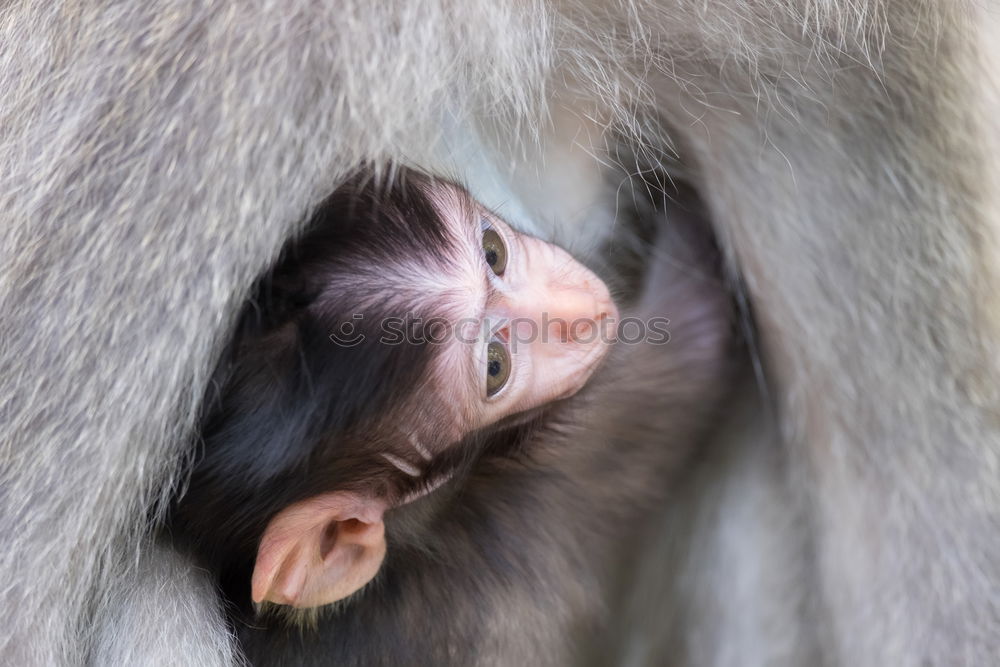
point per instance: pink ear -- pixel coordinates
(320, 550)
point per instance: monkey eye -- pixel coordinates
(494, 250)
(497, 367)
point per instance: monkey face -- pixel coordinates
(531, 323)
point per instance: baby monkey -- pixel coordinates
(393, 408)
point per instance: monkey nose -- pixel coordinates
(580, 314)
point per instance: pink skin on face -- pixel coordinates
(554, 316)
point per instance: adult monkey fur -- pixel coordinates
(157, 155)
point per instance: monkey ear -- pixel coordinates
(320, 550)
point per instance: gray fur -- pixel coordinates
(156, 155)
(858, 200)
(165, 613)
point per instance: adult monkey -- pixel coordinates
(156, 156)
